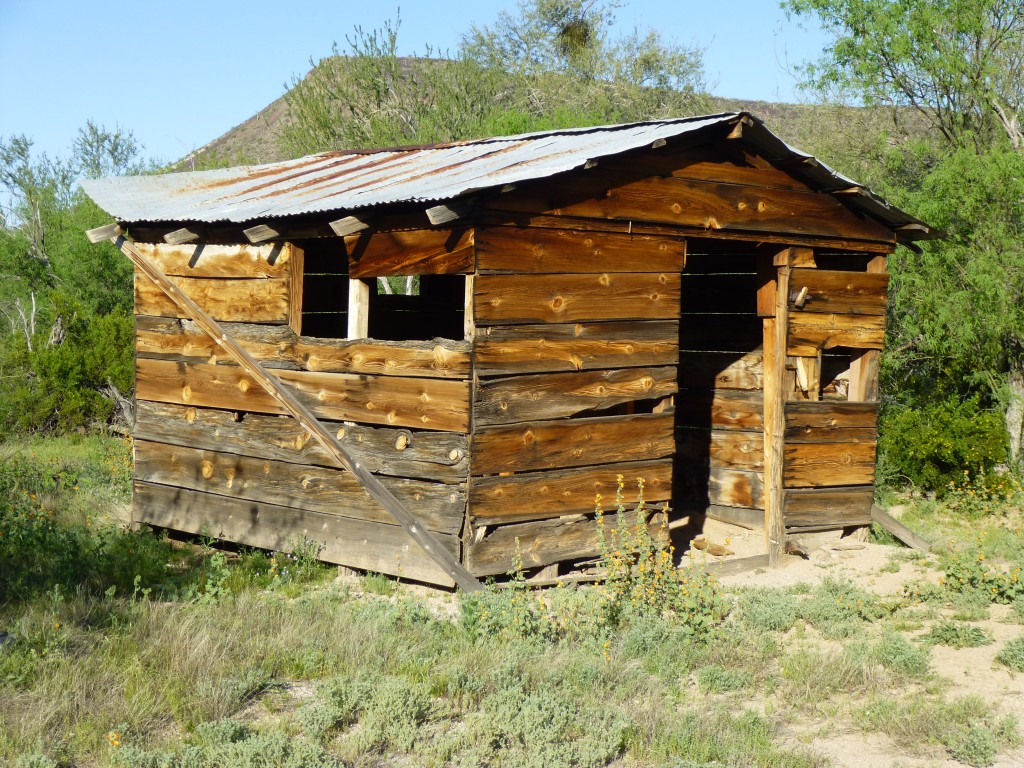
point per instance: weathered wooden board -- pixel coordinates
(744, 517)
(817, 465)
(438, 456)
(727, 448)
(439, 507)
(700, 486)
(541, 542)
(831, 435)
(556, 395)
(532, 250)
(708, 163)
(709, 205)
(223, 261)
(572, 443)
(535, 495)
(500, 299)
(498, 217)
(278, 347)
(355, 543)
(722, 370)
(899, 530)
(410, 252)
(810, 332)
(263, 300)
(393, 401)
(575, 346)
(831, 414)
(835, 507)
(721, 409)
(828, 291)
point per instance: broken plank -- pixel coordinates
(810, 332)
(572, 443)
(387, 400)
(575, 346)
(557, 395)
(899, 530)
(535, 495)
(278, 347)
(539, 543)
(828, 291)
(345, 541)
(439, 456)
(503, 299)
(410, 252)
(722, 370)
(442, 508)
(256, 301)
(533, 250)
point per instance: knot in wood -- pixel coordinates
(401, 442)
(454, 454)
(190, 414)
(206, 467)
(186, 393)
(244, 385)
(557, 302)
(676, 208)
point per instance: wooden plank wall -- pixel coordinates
(575, 359)
(214, 456)
(837, 317)
(719, 426)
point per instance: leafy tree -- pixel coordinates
(958, 63)
(65, 348)
(957, 310)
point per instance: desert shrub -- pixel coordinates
(394, 715)
(839, 609)
(768, 610)
(1012, 655)
(981, 493)
(971, 573)
(931, 446)
(957, 634)
(227, 742)
(719, 679)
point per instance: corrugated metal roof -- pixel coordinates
(350, 181)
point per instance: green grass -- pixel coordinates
(132, 650)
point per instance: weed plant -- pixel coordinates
(1012, 655)
(839, 609)
(971, 572)
(768, 610)
(957, 634)
(640, 573)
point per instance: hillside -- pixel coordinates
(824, 130)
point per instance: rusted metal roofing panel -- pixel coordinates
(350, 181)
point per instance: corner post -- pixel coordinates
(773, 306)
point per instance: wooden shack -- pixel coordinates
(690, 301)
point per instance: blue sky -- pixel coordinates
(179, 74)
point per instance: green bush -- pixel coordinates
(931, 446)
(1012, 655)
(768, 610)
(957, 635)
(970, 573)
(719, 679)
(839, 609)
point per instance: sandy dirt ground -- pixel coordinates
(969, 671)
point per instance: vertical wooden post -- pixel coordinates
(864, 367)
(776, 330)
(358, 309)
(469, 314)
(296, 270)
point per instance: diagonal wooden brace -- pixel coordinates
(279, 391)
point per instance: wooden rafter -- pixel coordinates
(279, 391)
